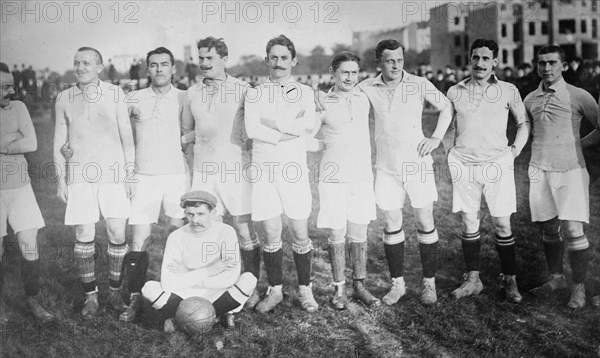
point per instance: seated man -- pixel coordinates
(200, 259)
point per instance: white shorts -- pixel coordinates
(273, 196)
(342, 202)
(494, 179)
(232, 190)
(152, 191)
(390, 190)
(86, 201)
(562, 194)
(20, 210)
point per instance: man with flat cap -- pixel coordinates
(200, 259)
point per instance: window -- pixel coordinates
(516, 56)
(466, 23)
(544, 27)
(503, 30)
(532, 28)
(458, 60)
(583, 26)
(566, 26)
(504, 57)
(467, 43)
(456, 20)
(517, 31)
(595, 28)
(595, 5)
(457, 40)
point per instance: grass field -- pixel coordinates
(482, 326)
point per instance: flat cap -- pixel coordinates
(198, 196)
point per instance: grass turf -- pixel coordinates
(481, 326)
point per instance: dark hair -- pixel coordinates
(389, 44)
(546, 49)
(98, 54)
(344, 56)
(479, 43)
(217, 43)
(576, 59)
(281, 40)
(4, 67)
(160, 51)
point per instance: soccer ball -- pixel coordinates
(195, 316)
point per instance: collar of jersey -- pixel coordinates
(559, 86)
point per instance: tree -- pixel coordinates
(318, 62)
(368, 60)
(337, 48)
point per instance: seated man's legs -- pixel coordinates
(166, 303)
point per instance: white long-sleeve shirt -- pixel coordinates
(291, 105)
(15, 122)
(212, 260)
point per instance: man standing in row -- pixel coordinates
(559, 191)
(18, 206)
(279, 115)
(213, 118)
(92, 125)
(481, 162)
(161, 180)
(404, 162)
(346, 196)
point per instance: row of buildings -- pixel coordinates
(520, 27)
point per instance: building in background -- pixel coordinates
(414, 36)
(519, 27)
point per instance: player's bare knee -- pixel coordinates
(357, 233)
(85, 233)
(28, 244)
(470, 222)
(337, 236)
(247, 282)
(115, 228)
(393, 219)
(424, 219)
(141, 233)
(571, 229)
(502, 226)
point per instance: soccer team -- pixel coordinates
(123, 157)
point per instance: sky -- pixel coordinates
(47, 33)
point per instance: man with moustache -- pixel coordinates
(346, 197)
(200, 259)
(92, 125)
(213, 122)
(404, 162)
(559, 190)
(18, 206)
(161, 178)
(279, 115)
(482, 163)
